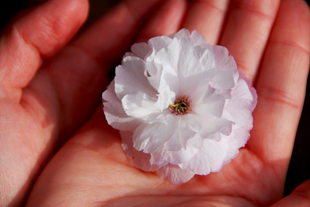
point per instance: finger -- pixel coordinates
(24, 148)
(281, 86)
(79, 73)
(167, 20)
(299, 197)
(36, 35)
(207, 17)
(247, 30)
(110, 37)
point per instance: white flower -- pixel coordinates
(181, 106)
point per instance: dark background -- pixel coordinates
(299, 169)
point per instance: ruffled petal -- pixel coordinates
(141, 160)
(182, 34)
(115, 113)
(163, 157)
(239, 108)
(237, 139)
(188, 127)
(145, 138)
(141, 50)
(174, 174)
(188, 63)
(213, 127)
(168, 87)
(224, 62)
(210, 158)
(209, 104)
(141, 106)
(199, 40)
(158, 43)
(174, 135)
(130, 78)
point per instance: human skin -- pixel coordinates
(50, 101)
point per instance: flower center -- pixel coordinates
(181, 106)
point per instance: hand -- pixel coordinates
(41, 109)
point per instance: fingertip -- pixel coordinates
(165, 21)
(292, 23)
(49, 26)
(37, 34)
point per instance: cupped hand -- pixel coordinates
(50, 99)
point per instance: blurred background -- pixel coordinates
(299, 169)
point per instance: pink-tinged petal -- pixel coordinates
(183, 33)
(162, 156)
(188, 64)
(194, 69)
(142, 107)
(237, 139)
(213, 127)
(130, 78)
(195, 85)
(141, 50)
(202, 88)
(169, 56)
(159, 43)
(210, 158)
(114, 112)
(174, 134)
(239, 108)
(206, 58)
(139, 105)
(198, 39)
(252, 90)
(224, 62)
(209, 104)
(168, 87)
(223, 80)
(141, 160)
(153, 74)
(129, 54)
(188, 127)
(145, 138)
(174, 174)
(196, 142)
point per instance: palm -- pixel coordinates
(91, 168)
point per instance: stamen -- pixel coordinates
(181, 106)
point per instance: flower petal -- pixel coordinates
(114, 112)
(188, 127)
(163, 157)
(209, 159)
(174, 135)
(130, 78)
(209, 103)
(213, 127)
(220, 101)
(149, 137)
(183, 33)
(141, 50)
(198, 39)
(142, 106)
(141, 160)
(168, 87)
(239, 108)
(159, 43)
(174, 174)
